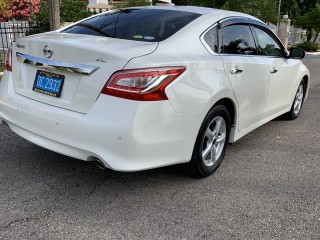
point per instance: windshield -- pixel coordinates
(150, 25)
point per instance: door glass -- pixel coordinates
(211, 39)
(237, 39)
(268, 46)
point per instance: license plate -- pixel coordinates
(48, 83)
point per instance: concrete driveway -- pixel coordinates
(268, 187)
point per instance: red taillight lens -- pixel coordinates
(8, 66)
(142, 84)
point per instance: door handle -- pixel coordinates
(236, 70)
(273, 70)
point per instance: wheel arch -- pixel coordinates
(232, 109)
(307, 81)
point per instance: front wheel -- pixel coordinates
(211, 143)
(297, 102)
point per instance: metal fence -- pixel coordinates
(11, 31)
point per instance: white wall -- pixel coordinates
(98, 1)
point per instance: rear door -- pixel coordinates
(248, 74)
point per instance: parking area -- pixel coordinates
(266, 188)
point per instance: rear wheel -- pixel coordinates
(211, 143)
(297, 102)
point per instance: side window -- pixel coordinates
(237, 39)
(268, 46)
(211, 39)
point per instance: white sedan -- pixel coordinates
(146, 87)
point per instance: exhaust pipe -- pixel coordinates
(100, 164)
(4, 123)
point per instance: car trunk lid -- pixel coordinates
(85, 63)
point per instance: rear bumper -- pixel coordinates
(125, 135)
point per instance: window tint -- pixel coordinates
(211, 38)
(237, 39)
(268, 46)
(150, 25)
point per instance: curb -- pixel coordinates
(313, 53)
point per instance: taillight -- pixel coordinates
(8, 66)
(142, 84)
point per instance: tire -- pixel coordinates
(211, 142)
(297, 102)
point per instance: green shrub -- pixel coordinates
(134, 3)
(309, 46)
(70, 11)
(73, 10)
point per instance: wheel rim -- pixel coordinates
(298, 101)
(213, 141)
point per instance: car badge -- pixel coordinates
(47, 51)
(101, 60)
(20, 46)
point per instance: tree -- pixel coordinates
(202, 3)
(54, 13)
(41, 19)
(133, 3)
(73, 10)
(4, 5)
(307, 5)
(290, 8)
(18, 9)
(70, 11)
(23, 9)
(265, 10)
(4, 10)
(311, 22)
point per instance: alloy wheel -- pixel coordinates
(213, 141)
(298, 101)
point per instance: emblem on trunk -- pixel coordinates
(20, 46)
(47, 51)
(101, 60)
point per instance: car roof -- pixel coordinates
(196, 9)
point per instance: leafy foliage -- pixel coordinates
(22, 9)
(266, 10)
(309, 46)
(41, 22)
(18, 9)
(133, 3)
(4, 5)
(202, 3)
(307, 5)
(70, 11)
(4, 10)
(73, 10)
(310, 21)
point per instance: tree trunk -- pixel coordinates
(309, 34)
(54, 12)
(315, 39)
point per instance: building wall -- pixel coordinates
(98, 1)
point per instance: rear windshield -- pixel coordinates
(149, 25)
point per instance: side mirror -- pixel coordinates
(297, 53)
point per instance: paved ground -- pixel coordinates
(267, 188)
